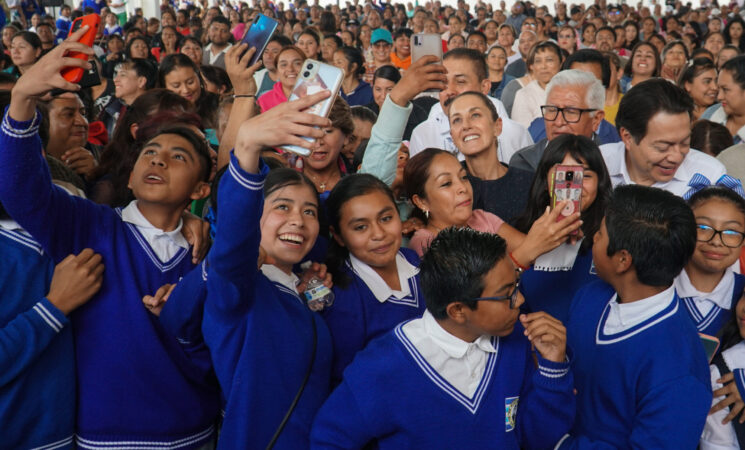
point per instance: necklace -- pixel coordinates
(322, 184)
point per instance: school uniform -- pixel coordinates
(368, 308)
(710, 311)
(262, 336)
(418, 386)
(555, 278)
(134, 381)
(640, 370)
(37, 360)
(717, 436)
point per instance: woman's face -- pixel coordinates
(714, 44)
(193, 51)
(365, 34)
(630, 33)
(714, 256)
(675, 57)
(348, 38)
(270, 54)
(169, 38)
(325, 151)
(496, 60)
(546, 64)
(308, 45)
(328, 47)
(490, 30)
(8, 34)
(648, 26)
(505, 38)
(289, 225)
(288, 67)
(567, 40)
(735, 31)
(643, 62)
(449, 196)
(703, 88)
(588, 36)
(370, 228)
(456, 41)
(138, 49)
(184, 82)
(471, 126)
(22, 53)
(731, 95)
(341, 62)
(381, 88)
(589, 181)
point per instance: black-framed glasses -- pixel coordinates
(730, 238)
(571, 115)
(512, 297)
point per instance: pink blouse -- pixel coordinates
(480, 221)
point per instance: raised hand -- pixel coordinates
(546, 234)
(155, 303)
(426, 73)
(241, 76)
(80, 160)
(547, 335)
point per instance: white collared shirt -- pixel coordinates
(695, 162)
(276, 275)
(378, 286)
(721, 296)
(527, 105)
(623, 316)
(435, 132)
(214, 57)
(460, 363)
(165, 244)
(715, 435)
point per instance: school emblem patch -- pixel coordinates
(510, 412)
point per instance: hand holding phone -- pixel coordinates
(258, 35)
(566, 184)
(75, 74)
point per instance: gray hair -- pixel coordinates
(595, 97)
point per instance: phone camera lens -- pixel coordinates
(310, 66)
(570, 176)
(306, 74)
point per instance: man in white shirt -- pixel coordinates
(654, 122)
(466, 72)
(219, 33)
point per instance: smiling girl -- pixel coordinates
(179, 74)
(643, 65)
(288, 63)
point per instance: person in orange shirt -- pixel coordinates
(401, 54)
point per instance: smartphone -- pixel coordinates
(258, 35)
(423, 44)
(91, 77)
(566, 184)
(74, 74)
(316, 77)
(711, 345)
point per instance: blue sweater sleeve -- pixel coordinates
(182, 314)
(547, 405)
(26, 336)
(340, 423)
(61, 223)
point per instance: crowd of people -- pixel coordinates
(174, 278)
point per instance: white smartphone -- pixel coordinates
(315, 77)
(423, 44)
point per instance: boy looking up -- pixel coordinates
(462, 368)
(135, 383)
(641, 373)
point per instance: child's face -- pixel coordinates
(289, 225)
(600, 252)
(740, 312)
(495, 318)
(370, 228)
(714, 256)
(168, 172)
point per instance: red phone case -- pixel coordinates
(74, 74)
(567, 189)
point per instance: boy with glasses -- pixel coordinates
(449, 379)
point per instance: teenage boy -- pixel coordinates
(135, 384)
(462, 369)
(636, 354)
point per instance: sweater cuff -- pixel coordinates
(552, 374)
(50, 314)
(251, 181)
(22, 129)
(740, 381)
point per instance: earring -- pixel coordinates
(426, 213)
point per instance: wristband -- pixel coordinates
(243, 96)
(520, 267)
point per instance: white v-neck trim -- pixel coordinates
(380, 289)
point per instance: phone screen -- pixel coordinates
(258, 35)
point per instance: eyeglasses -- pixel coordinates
(730, 238)
(571, 115)
(512, 297)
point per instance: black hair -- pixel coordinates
(217, 76)
(484, 99)
(389, 73)
(694, 68)
(657, 61)
(30, 37)
(282, 40)
(736, 68)
(200, 145)
(455, 266)
(735, 19)
(337, 40)
(718, 192)
(729, 335)
(589, 55)
(707, 54)
(672, 44)
(349, 187)
(363, 113)
(281, 178)
(655, 227)
(476, 33)
(416, 174)
(605, 28)
(143, 68)
(645, 100)
(128, 47)
(584, 150)
(354, 56)
(710, 137)
(221, 19)
(207, 103)
(474, 56)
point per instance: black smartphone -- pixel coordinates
(258, 35)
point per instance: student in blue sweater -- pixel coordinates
(37, 361)
(134, 382)
(376, 282)
(272, 355)
(553, 279)
(640, 370)
(708, 286)
(463, 375)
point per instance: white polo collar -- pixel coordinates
(453, 346)
(380, 288)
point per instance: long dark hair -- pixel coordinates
(657, 61)
(583, 150)
(207, 103)
(345, 190)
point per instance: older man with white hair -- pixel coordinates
(574, 105)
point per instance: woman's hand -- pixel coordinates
(546, 234)
(731, 397)
(241, 77)
(426, 73)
